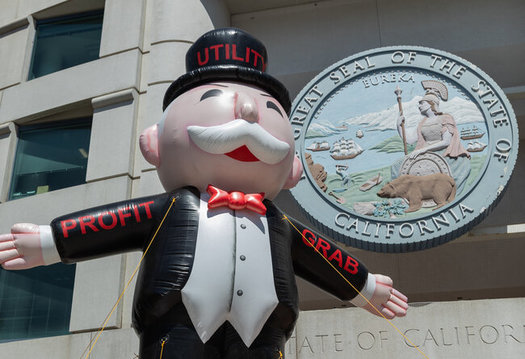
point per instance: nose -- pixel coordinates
(245, 107)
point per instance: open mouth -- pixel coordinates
(242, 154)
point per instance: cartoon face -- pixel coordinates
(231, 135)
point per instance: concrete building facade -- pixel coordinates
(467, 295)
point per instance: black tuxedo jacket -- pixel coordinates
(166, 227)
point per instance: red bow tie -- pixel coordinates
(236, 200)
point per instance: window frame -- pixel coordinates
(77, 121)
(41, 293)
(38, 22)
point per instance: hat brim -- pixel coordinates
(228, 73)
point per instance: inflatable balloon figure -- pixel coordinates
(218, 279)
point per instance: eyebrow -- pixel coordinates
(263, 94)
(214, 84)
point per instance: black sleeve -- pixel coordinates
(109, 229)
(322, 262)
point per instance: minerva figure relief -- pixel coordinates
(439, 159)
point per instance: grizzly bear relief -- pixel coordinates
(438, 187)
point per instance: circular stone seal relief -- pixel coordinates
(404, 148)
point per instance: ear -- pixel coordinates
(149, 145)
(295, 174)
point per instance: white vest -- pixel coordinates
(232, 274)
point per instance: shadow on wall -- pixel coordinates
(218, 12)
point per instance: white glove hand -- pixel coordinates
(386, 300)
(27, 246)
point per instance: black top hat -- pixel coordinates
(227, 54)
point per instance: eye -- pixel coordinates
(211, 93)
(273, 106)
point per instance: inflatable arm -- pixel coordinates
(322, 262)
(92, 233)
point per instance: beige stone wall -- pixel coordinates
(459, 330)
(446, 330)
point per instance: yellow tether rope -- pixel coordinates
(358, 292)
(92, 343)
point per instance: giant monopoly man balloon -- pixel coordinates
(218, 280)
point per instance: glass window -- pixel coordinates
(36, 302)
(65, 42)
(50, 157)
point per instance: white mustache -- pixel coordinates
(229, 136)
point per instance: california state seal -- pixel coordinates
(404, 148)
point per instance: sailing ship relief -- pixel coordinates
(344, 149)
(319, 146)
(476, 146)
(471, 133)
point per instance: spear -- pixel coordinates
(398, 92)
